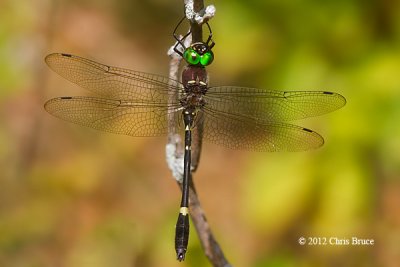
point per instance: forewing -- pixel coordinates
(112, 82)
(272, 106)
(115, 116)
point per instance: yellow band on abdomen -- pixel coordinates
(184, 210)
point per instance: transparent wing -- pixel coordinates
(115, 116)
(272, 106)
(241, 132)
(112, 82)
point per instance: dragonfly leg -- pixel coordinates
(210, 42)
(180, 41)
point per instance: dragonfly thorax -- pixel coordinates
(194, 79)
(194, 75)
(193, 101)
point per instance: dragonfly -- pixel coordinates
(137, 104)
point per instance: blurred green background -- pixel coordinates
(71, 196)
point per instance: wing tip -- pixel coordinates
(319, 140)
(342, 101)
(48, 103)
(51, 56)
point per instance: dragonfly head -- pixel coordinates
(198, 54)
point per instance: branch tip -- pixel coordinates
(200, 17)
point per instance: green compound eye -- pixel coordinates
(191, 56)
(206, 58)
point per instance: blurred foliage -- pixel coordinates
(70, 196)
